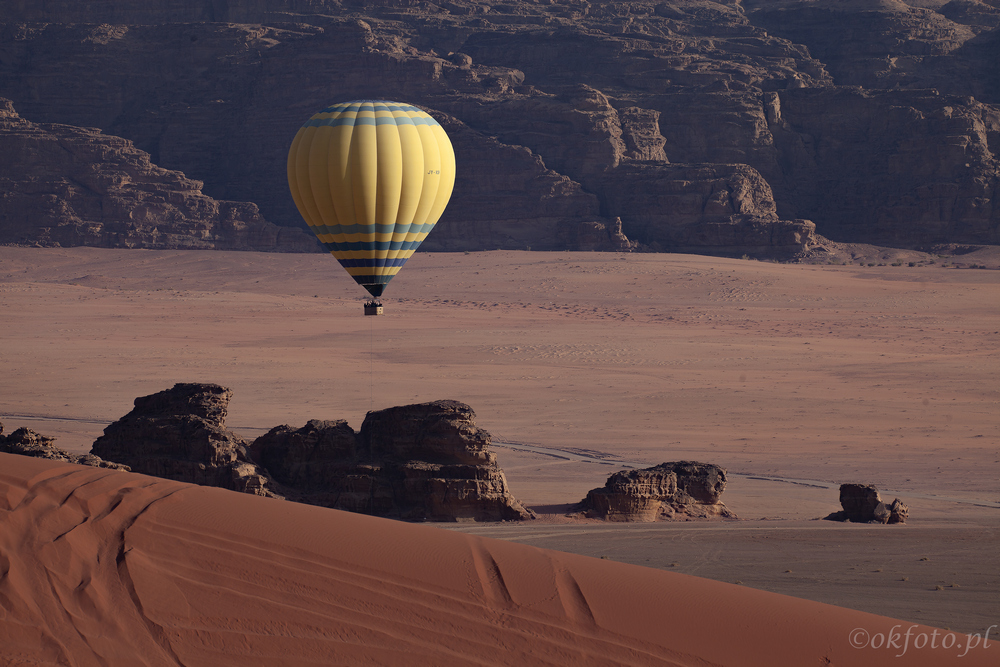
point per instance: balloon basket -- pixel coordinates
(373, 308)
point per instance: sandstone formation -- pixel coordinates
(418, 462)
(711, 126)
(65, 185)
(861, 504)
(181, 434)
(26, 442)
(680, 490)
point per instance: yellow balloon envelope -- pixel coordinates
(371, 178)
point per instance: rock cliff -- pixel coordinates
(680, 490)
(70, 186)
(702, 125)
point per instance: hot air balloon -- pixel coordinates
(371, 178)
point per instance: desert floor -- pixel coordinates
(795, 378)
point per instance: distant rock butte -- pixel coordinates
(419, 462)
(861, 503)
(679, 490)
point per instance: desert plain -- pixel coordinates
(794, 377)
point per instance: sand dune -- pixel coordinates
(108, 568)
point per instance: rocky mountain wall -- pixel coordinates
(67, 185)
(873, 120)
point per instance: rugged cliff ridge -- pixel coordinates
(703, 126)
(72, 186)
(418, 462)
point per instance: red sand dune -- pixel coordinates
(100, 567)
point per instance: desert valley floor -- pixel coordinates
(795, 378)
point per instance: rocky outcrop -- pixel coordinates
(680, 490)
(862, 504)
(425, 462)
(26, 442)
(930, 167)
(181, 434)
(438, 463)
(71, 186)
(311, 458)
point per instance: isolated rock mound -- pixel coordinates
(678, 490)
(862, 504)
(26, 442)
(181, 434)
(420, 462)
(438, 463)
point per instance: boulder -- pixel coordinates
(861, 503)
(682, 490)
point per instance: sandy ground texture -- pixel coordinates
(108, 568)
(795, 378)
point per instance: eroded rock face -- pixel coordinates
(181, 434)
(544, 104)
(440, 432)
(72, 186)
(862, 504)
(311, 458)
(438, 463)
(423, 462)
(704, 126)
(682, 490)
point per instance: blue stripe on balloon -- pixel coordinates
(372, 229)
(337, 122)
(371, 263)
(372, 246)
(382, 104)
